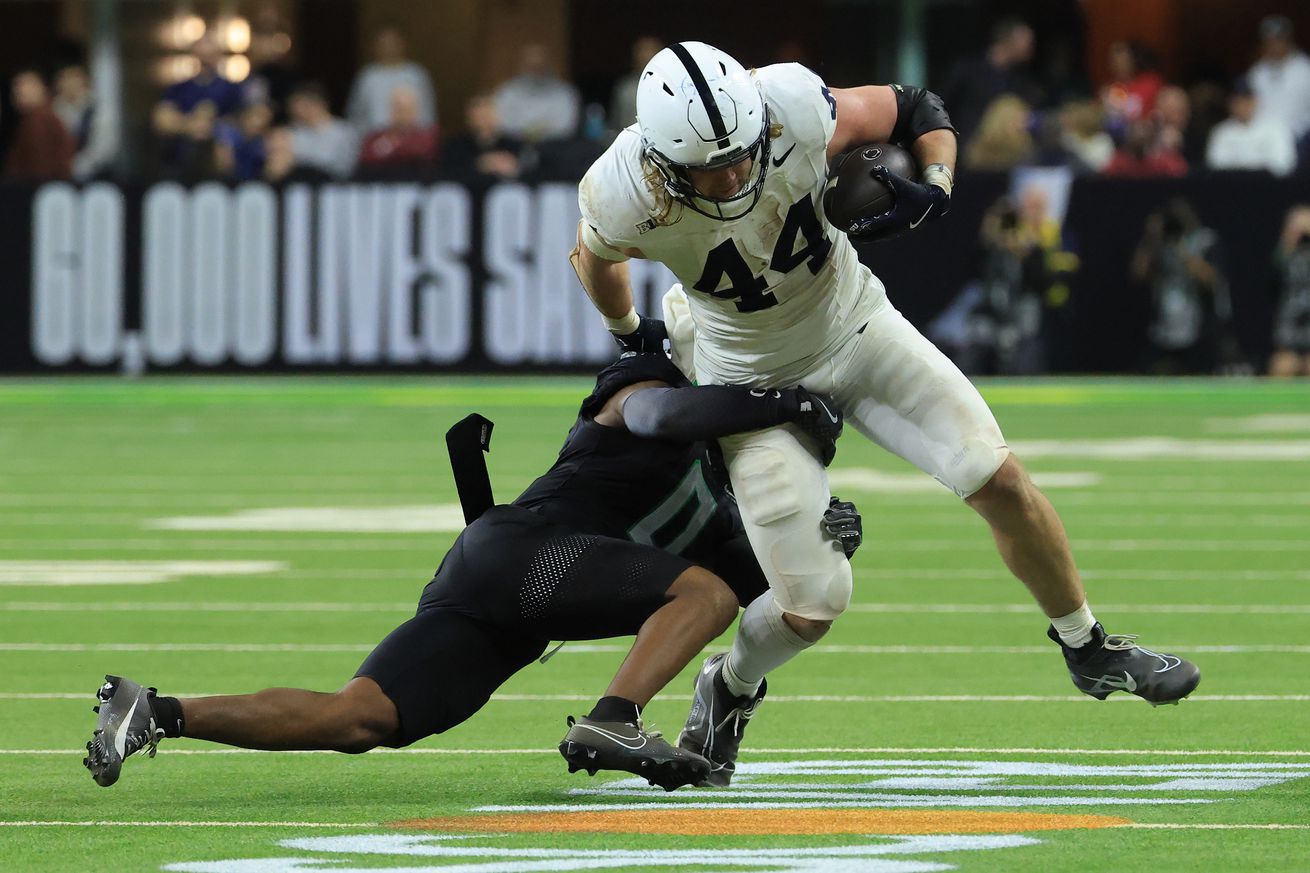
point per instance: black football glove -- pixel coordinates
(915, 203)
(819, 417)
(842, 523)
(647, 338)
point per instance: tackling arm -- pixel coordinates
(655, 410)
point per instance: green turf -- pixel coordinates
(1209, 556)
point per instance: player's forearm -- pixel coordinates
(608, 287)
(936, 147)
(606, 282)
(707, 412)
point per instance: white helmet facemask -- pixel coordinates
(698, 109)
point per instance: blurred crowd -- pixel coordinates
(277, 126)
(1139, 124)
(1017, 318)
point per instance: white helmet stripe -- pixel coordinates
(703, 88)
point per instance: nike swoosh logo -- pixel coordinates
(618, 738)
(1169, 661)
(831, 417)
(777, 162)
(914, 224)
(120, 736)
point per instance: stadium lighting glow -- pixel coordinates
(188, 29)
(236, 68)
(236, 34)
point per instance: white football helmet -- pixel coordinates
(697, 108)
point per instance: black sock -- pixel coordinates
(615, 709)
(168, 715)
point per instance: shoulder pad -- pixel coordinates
(630, 368)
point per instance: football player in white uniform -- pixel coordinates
(721, 179)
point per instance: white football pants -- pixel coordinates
(901, 392)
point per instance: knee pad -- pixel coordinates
(682, 330)
(782, 492)
(974, 465)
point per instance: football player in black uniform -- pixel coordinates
(630, 532)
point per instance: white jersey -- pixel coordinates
(773, 294)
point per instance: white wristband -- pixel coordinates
(625, 325)
(939, 175)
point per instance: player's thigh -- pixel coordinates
(900, 391)
(607, 590)
(442, 666)
(782, 493)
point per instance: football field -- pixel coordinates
(224, 535)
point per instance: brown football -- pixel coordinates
(852, 193)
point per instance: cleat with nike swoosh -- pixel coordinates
(125, 727)
(1114, 662)
(619, 745)
(717, 720)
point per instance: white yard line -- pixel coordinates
(188, 824)
(607, 648)
(345, 824)
(813, 750)
(408, 607)
(1217, 827)
(785, 698)
(182, 606)
(322, 541)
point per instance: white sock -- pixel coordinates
(1075, 629)
(764, 641)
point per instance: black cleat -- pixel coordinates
(628, 746)
(717, 721)
(125, 727)
(1114, 662)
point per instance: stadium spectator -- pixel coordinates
(239, 147)
(623, 99)
(1281, 78)
(406, 141)
(1178, 262)
(322, 141)
(1149, 149)
(1025, 290)
(485, 150)
(1291, 355)
(1249, 141)
(1083, 135)
(1173, 115)
(272, 76)
(94, 130)
(280, 159)
(537, 105)
(1002, 141)
(185, 116)
(1132, 93)
(42, 147)
(975, 83)
(369, 107)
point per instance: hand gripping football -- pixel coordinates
(853, 194)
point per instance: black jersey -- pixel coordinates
(610, 482)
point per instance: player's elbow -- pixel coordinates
(648, 413)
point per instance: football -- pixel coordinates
(852, 193)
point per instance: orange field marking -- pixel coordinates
(766, 821)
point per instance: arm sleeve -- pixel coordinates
(705, 413)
